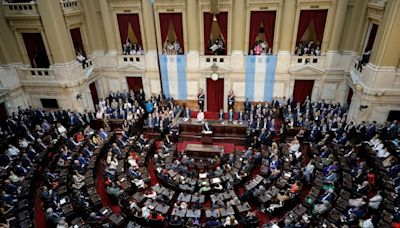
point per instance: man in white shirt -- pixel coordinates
(200, 116)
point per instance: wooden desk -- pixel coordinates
(203, 151)
(228, 132)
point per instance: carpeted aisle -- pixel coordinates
(40, 217)
(101, 190)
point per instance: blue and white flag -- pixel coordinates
(173, 76)
(260, 77)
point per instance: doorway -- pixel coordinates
(215, 95)
(134, 83)
(302, 89)
(93, 92)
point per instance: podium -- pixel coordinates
(206, 139)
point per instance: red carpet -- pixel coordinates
(152, 173)
(101, 190)
(40, 217)
(228, 147)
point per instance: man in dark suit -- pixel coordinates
(207, 127)
(371, 130)
(200, 99)
(247, 106)
(187, 114)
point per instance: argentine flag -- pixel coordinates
(173, 76)
(260, 77)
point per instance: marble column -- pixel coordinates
(58, 36)
(96, 41)
(193, 36)
(238, 35)
(108, 27)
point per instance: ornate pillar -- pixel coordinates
(238, 32)
(92, 25)
(386, 50)
(9, 52)
(148, 23)
(287, 26)
(193, 36)
(332, 54)
(108, 27)
(338, 24)
(288, 19)
(58, 36)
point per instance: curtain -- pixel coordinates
(222, 19)
(135, 23)
(319, 23)
(371, 38)
(215, 95)
(302, 89)
(165, 19)
(208, 19)
(123, 23)
(269, 27)
(134, 83)
(255, 23)
(305, 19)
(93, 92)
(176, 20)
(319, 19)
(77, 40)
(36, 50)
(178, 27)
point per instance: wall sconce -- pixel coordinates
(379, 93)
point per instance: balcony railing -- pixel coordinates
(87, 64)
(221, 60)
(34, 74)
(70, 5)
(20, 9)
(312, 60)
(138, 59)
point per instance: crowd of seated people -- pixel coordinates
(352, 170)
(261, 48)
(217, 47)
(172, 48)
(130, 48)
(308, 48)
(38, 139)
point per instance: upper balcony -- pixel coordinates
(70, 6)
(317, 61)
(20, 9)
(132, 59)
(219, 60)
(37, 75)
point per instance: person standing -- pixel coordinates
(231, 100)
(200, 99)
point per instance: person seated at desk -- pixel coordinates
(175, 221)
(200, 116)
(207, 129)
(213, 222)
(230, 221)
(156, 217)
(187, 114)
(231, 115)
(281, 199)
(251, 218)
